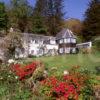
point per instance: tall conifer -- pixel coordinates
(92, 20)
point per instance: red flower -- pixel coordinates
(22, 72)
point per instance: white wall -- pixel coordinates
(35, 48)
(52, 46)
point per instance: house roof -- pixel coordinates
(39, 37)
(65, 33)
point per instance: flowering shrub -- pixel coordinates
(27, 70)
(68, 87)
(60, 89)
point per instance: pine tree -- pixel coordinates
(48, 16)
(39, 12)
(92, 20)
(55, 16)
(19, 14)
(3, 17)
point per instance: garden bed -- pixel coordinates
(34, 81)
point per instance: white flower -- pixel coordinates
(45, 72)
(65, 72)
(1, 78)
(11, 61)
(16, 77)
(8, 75)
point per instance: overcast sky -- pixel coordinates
(74, 8)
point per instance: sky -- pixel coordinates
(73, 8)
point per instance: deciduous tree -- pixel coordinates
(19, 14)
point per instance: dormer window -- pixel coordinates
(67, 40)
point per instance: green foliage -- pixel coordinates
(39, 25)
(96, 44)
(23, 95)
(87, 93)
(74, 25)
(3, 17)
(55, 16)
(20, 15)
(92, 20)
(48, 16)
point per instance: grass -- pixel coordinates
(89, 61)
(65, 62)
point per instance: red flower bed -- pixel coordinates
(60, 89)
(22, 72)
(68, 87)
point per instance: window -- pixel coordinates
(61, 41)
(40, 42)
(32, 41)
(73, 50)
(67, 40)
(67, 50)
(36, 41)
(52, 42)
(73, 40)
(61, 50)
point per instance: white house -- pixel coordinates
(66, 41)
(37, 45)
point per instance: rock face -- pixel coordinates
(3, 51)
(3, 55)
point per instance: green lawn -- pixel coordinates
(89, 61)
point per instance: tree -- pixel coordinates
(55, 16)
(39, 26)
(19, 14)
(92, 20)
(49, 16)
(3, 17)
(96, 43)
(74, 25)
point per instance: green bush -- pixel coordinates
(96, 44)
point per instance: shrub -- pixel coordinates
(27, 70)
(69, 87)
